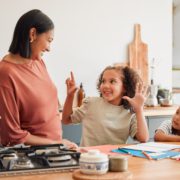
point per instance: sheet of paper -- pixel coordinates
(153, 147)
(176, 157)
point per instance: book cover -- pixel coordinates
(153, 155)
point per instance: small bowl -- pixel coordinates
(94, 162)
(165, 102)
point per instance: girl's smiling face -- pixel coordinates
(111, 87)
(176, 119)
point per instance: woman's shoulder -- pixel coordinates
(5, 68)
(6, 74)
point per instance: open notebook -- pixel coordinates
(152, 147)
(154, 150)
(153, 155)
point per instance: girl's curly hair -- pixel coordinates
(130, 79)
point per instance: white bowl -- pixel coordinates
(94, 162)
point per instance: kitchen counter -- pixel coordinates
(156, 115)
(160, 111)
(176, 90)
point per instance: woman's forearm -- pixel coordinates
(36, 140)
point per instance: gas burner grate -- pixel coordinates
(37, 159)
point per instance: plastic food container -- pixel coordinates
(94, 162)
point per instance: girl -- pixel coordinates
(116, 114)
(169, 130)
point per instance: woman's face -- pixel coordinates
(41, 43)
(111, 87)
(176, 120)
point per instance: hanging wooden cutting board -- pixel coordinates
(138, 55)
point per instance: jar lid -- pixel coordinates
(93, 155)
(118, 157)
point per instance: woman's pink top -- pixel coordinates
(28, 103)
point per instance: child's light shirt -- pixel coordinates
(104, 123)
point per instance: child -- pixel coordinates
(116, 114)
(169, 130)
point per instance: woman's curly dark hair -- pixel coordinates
(130, 79)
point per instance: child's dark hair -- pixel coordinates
(130, 79)
(175, 131)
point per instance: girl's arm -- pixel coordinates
(67, 109)
(142, 134)
(161, 136)
(137, 102)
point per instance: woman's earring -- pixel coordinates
(31, 40)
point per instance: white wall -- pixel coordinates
(176, 34)
(91, 34)
(176, 46)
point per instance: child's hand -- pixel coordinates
(137, 102)
(71, 85)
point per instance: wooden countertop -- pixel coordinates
(176, 90)
(140, 169)
(160, 111)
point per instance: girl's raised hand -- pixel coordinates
(137, 102)
(71, 85)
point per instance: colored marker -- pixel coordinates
(147, 155)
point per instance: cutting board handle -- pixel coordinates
(137, 33)
(138, 55)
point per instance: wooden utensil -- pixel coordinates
(138, 55)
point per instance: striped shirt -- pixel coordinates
(166, 127)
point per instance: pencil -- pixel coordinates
(123, 150)
(147, 155)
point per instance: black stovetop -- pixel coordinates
(28, 159)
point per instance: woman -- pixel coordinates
(28, 97)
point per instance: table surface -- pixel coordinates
(140, 168)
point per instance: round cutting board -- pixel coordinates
(77, 175)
